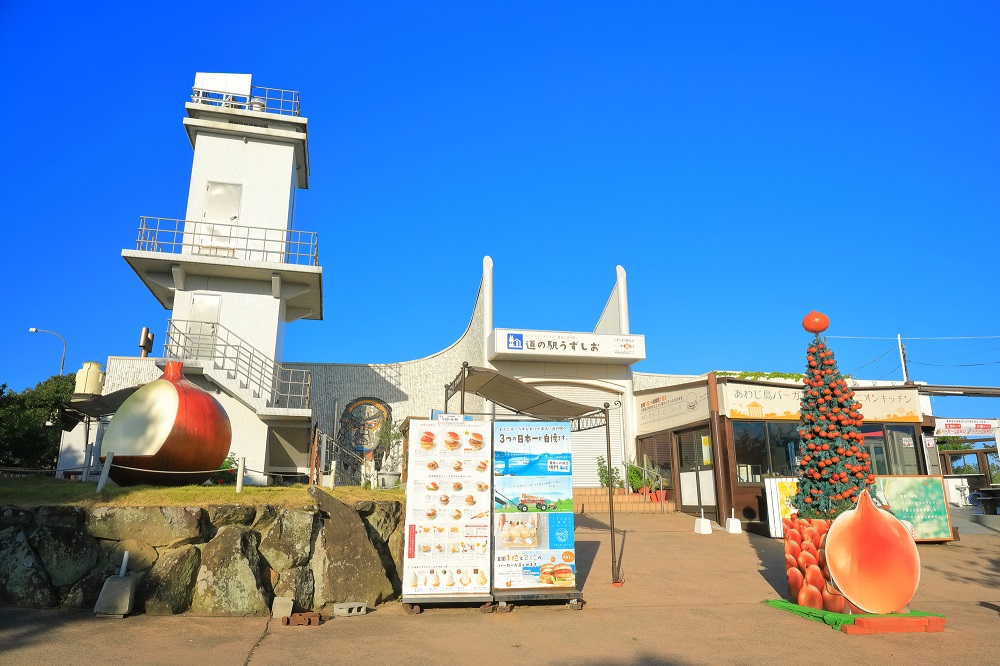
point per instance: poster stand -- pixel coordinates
(520, 400)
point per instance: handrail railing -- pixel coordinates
(233, 241)
(247, 369)
(260, 99)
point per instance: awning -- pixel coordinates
(520, 398)
(91, 404)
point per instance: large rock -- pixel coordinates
(12, 516)
(23, 581)
(381, 520)
(169, 585)
(66, 553)
(297, 583)
(61, 516)
(397, 545)
(287, 541)
(220, 515)
(84, 594)
(141, 555)
(229, 577)
(345, 564)
(157, 526)
(380, 517)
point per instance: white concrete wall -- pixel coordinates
(263, 168)
(247, 309)
(411, 388)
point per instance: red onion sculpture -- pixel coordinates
(168, 425)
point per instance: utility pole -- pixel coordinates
(902, 358)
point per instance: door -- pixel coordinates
(217, 233)
(200, 334)
(696, 464)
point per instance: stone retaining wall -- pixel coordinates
(213, 560)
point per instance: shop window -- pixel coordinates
(893, 449)
(751, 451)
(902, 442)
(695, 449)
(764, 448)
(964, 463)
(655, 453)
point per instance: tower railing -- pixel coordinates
(232, 241)
(260, 99)
(244, 370)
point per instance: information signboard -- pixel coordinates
(919, 501)
(533, 496)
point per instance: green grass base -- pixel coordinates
(835, 620)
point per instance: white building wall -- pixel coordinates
(411, 388)
(261, 167)
(247, 308)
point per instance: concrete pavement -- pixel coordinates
(687, 599)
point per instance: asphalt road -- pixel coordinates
(686, 599)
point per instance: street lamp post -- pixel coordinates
(62, 363)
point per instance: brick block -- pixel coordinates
(350, 608)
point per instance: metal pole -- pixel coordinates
(62, 363)
(611, 499)
(465, 373)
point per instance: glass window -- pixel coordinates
(783, 440)
(964, 463)
(655, 452)
(750, 440)
(902, 445)
(875, 444)
(696, 449)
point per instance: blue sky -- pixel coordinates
(744, 162)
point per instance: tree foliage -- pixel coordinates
(25, 440)
(833, 466)
(950, 443)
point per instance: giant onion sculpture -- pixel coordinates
(168, 425)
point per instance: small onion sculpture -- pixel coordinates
(168, 425)
(872, 558)
(815, 322)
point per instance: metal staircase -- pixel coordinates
(231, 362)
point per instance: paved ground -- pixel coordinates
(687, 599)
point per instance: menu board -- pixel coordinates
(449, 495)
(533, 520)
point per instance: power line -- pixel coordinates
(955, 365)
(889, 351)
(952, 337)
(891, 372)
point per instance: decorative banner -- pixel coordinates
(962, 427)
(449, 496)
(533, 523)
(749, 400)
